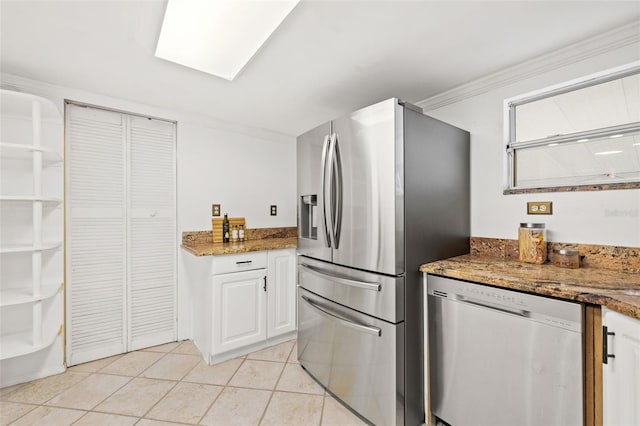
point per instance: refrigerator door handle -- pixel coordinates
(344, 321)
(342, 280)
(337, 176)
(330, 160)
(325, 148)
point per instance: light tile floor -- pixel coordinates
(171, 384)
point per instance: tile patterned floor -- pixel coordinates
(170, 384)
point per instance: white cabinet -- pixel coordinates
(239, 307)
(246, 303)
(31, 233)
(281, 294)
(621, 373)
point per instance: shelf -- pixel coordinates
(29, 198)
(23, 295)
(25, 152)
(19, 248)
(19, 344)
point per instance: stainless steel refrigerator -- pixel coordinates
(380, 191)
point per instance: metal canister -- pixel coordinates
(532, 243)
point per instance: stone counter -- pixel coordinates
(214, 249)
(617, 290)
(200, 243)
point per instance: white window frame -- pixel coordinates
(511, 145)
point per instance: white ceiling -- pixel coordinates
(326, 59)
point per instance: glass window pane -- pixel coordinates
(612, 159)
(602, 105)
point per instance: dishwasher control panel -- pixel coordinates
(553, 312)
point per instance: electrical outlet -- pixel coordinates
(539, 207)
(274, 210)
(215, 209)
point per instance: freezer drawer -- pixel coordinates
(377, 295)
(356, 357)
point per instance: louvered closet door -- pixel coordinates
(95, 237)
(151, 230)
(121, 247)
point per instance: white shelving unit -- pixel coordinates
(31, 238)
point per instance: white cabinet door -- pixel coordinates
(281, 292)
(239, 309)
(621, 374)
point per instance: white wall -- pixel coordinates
(244, 172)
(243, 169)
(589, 217)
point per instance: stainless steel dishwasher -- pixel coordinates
(500, 357)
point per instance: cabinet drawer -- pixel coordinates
(238, 262)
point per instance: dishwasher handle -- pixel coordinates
(335, 316)
(485, 304)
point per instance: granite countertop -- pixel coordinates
(618, 291)
(213, 249)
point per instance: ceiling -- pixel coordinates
(326, 59)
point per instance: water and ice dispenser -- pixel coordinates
(308, 216)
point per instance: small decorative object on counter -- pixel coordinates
(225, 229)
(234, 234)
(532, 243)
(241, 233)
(566, 258)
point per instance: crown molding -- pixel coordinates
(620, 37)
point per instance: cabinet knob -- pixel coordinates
(153, 214)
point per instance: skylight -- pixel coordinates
(218, 37)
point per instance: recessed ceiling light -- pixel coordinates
(218, 37)
(607, 152)
(619, 135)
(582, 140)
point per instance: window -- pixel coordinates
(580, 135)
